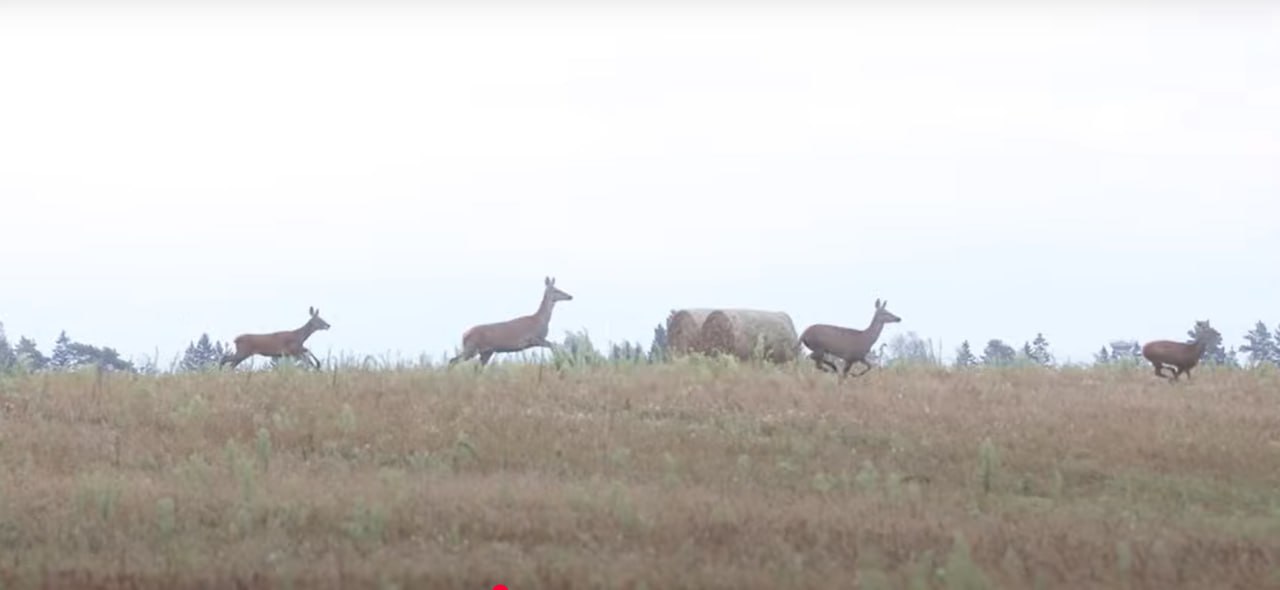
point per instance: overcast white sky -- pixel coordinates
(992, 171)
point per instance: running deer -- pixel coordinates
(846, 344)
(277, 344)
(1180, 356)
(512, 335)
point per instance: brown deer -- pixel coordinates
(1180, 356)
(277, 344)
(512, 335)
(846, 344)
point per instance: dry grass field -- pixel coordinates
(687, 475)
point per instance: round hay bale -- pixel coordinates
(683, 328)
(737, 331)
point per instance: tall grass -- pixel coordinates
(697, 473)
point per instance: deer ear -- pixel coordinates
(877, 303)
(311, 310)
(546, 281)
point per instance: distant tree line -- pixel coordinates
(1261, 347)
(70, 355)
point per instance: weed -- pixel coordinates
(701, 472)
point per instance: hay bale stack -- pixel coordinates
(683, 329)
(736, 332)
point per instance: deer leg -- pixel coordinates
(485, 356)
(849, 364)
(822, 362)
(233, 359)
(310, 358)
(465, 355)
(543, 342)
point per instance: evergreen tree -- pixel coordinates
(1040, 350)
(997, 353)
(8, 358)
(964, 356)
(1261, 346)
(201, 354)
(82, 355)
(1231, 359)
(626, 352)
(107, 358)
(30, 356)
(1101, 357)
(658, 348)
(62, 358)
(69, 355)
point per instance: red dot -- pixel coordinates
(500, 587)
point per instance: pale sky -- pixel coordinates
(1093, 173)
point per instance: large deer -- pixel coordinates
(846, 344)
(1180, 356)
(513, 335)
(277, 344)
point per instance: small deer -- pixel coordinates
(846, 344)
(512, 335)
(1180, 356)
(277, 344)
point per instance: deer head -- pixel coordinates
(883, 315)
(554, 293)
(316, 322)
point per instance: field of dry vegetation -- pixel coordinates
(694, 474)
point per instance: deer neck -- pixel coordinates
(305, 332)
(873, 330)
(543, 315)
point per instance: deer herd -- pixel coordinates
(826, 342)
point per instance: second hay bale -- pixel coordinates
(739, 331)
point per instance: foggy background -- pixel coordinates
(1092, 173)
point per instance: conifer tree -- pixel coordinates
(997, 353)
(658, 348)
(30, 356)
(62, 358)
(201, 354)
(1261, 346)
(8, 358)
(964, 356)
(1039, 350)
